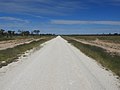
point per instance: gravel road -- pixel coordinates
(57, 66)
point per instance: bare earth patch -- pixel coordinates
(13, 43)
(111, 47)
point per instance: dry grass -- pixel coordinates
(9, 55)
(101, 55)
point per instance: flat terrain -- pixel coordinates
(57, 66)
(110, 43)
(13, 43)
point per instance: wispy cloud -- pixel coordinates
(105, 2)
(44, 7)
(52, 7)
(71, 22)
(13, 19)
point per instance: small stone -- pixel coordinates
(3, 62)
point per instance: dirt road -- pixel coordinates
(57, 66)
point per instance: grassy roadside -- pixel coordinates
(20, 37)
(112, 39)
(5, 39)
(99, 54)
(9, 55)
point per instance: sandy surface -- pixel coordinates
(13, 43)
(56, 66)
(111, 48)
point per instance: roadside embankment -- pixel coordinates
(10, 54)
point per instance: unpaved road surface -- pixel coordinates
(56, 66)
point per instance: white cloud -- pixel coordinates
(73, 22)
(50, 7)
(40, 7)
(13, 19)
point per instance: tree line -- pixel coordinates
(11, 33)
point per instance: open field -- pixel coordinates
(4, 38)
(14, 48)
(108, 60)
(110, 43)
(111, 39)
(18, 40)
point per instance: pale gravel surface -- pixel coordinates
(56, 66)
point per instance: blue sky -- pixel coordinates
(61, 16)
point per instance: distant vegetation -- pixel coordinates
(115, 38)
(11, 34)
(109, 34)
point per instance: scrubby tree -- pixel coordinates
(116, 34)
(11, 33)
(2, 32)
(25, 33)
(36, 32)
